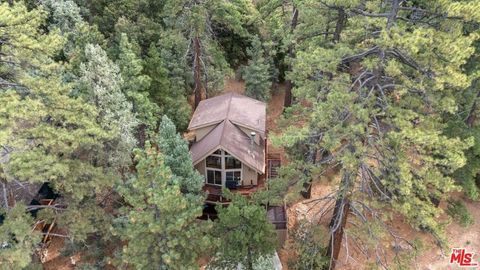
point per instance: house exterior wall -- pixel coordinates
(201, 132)
(200, 167)
(249, 176)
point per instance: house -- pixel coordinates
(229, 148)
(229, 143)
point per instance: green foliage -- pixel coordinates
(309, 246)
(243, 232)
(27, 44)
(177, 158)
(465, 124)
(459, 212)
(103, 83)
(467, 175)
(404, 259)
(256, 73)
(393, 100)
(54, 135)
(135, 85)
(158, 223)
(52, 129)
(204, 21)
(167, 88)
(378, 91)
(17, 240)
(63, 14)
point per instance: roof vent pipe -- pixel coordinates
(252, 137)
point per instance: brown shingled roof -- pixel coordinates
(240, 110)
(228, 112)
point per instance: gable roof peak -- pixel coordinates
(239, 109)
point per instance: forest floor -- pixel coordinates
(429, 258)
(53, 259)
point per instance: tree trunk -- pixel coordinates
(337, 224)
(341, 19)
(471, 114)
(291, 54)
(142, 135)
(311, 159)
(4, 194)
(197, 71)
(392, 17)
(249, 259)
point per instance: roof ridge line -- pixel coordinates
(227, 115)
(223, 130)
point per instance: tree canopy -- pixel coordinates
(96, 97)
(158, 222)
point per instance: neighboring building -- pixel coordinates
(15, 191)
(29, 194)
(229, 143)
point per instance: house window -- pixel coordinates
(232, 163)
(214, 177)
(214, 161)
(222, 169)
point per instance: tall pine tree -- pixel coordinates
(256, 73)
(159, 224)
(102, 83)
(54, 135)
(177, 158)
(244, 235)
(377, 85)
(167, 88)
(136, 85)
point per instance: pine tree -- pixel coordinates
(282, 19)
(167, 88)
(464, 124)
(103, 82)
(308, 244)
(245, 236)
(50, 131)
(54, 134)
(177, 157)
(64, 15)
(17, 240)
(136, 85)
(159, 223)
(197, 25)
(256, 73)
(377, 85)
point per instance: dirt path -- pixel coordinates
(232, 85)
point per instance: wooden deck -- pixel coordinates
(215, 192)
(277, 215)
